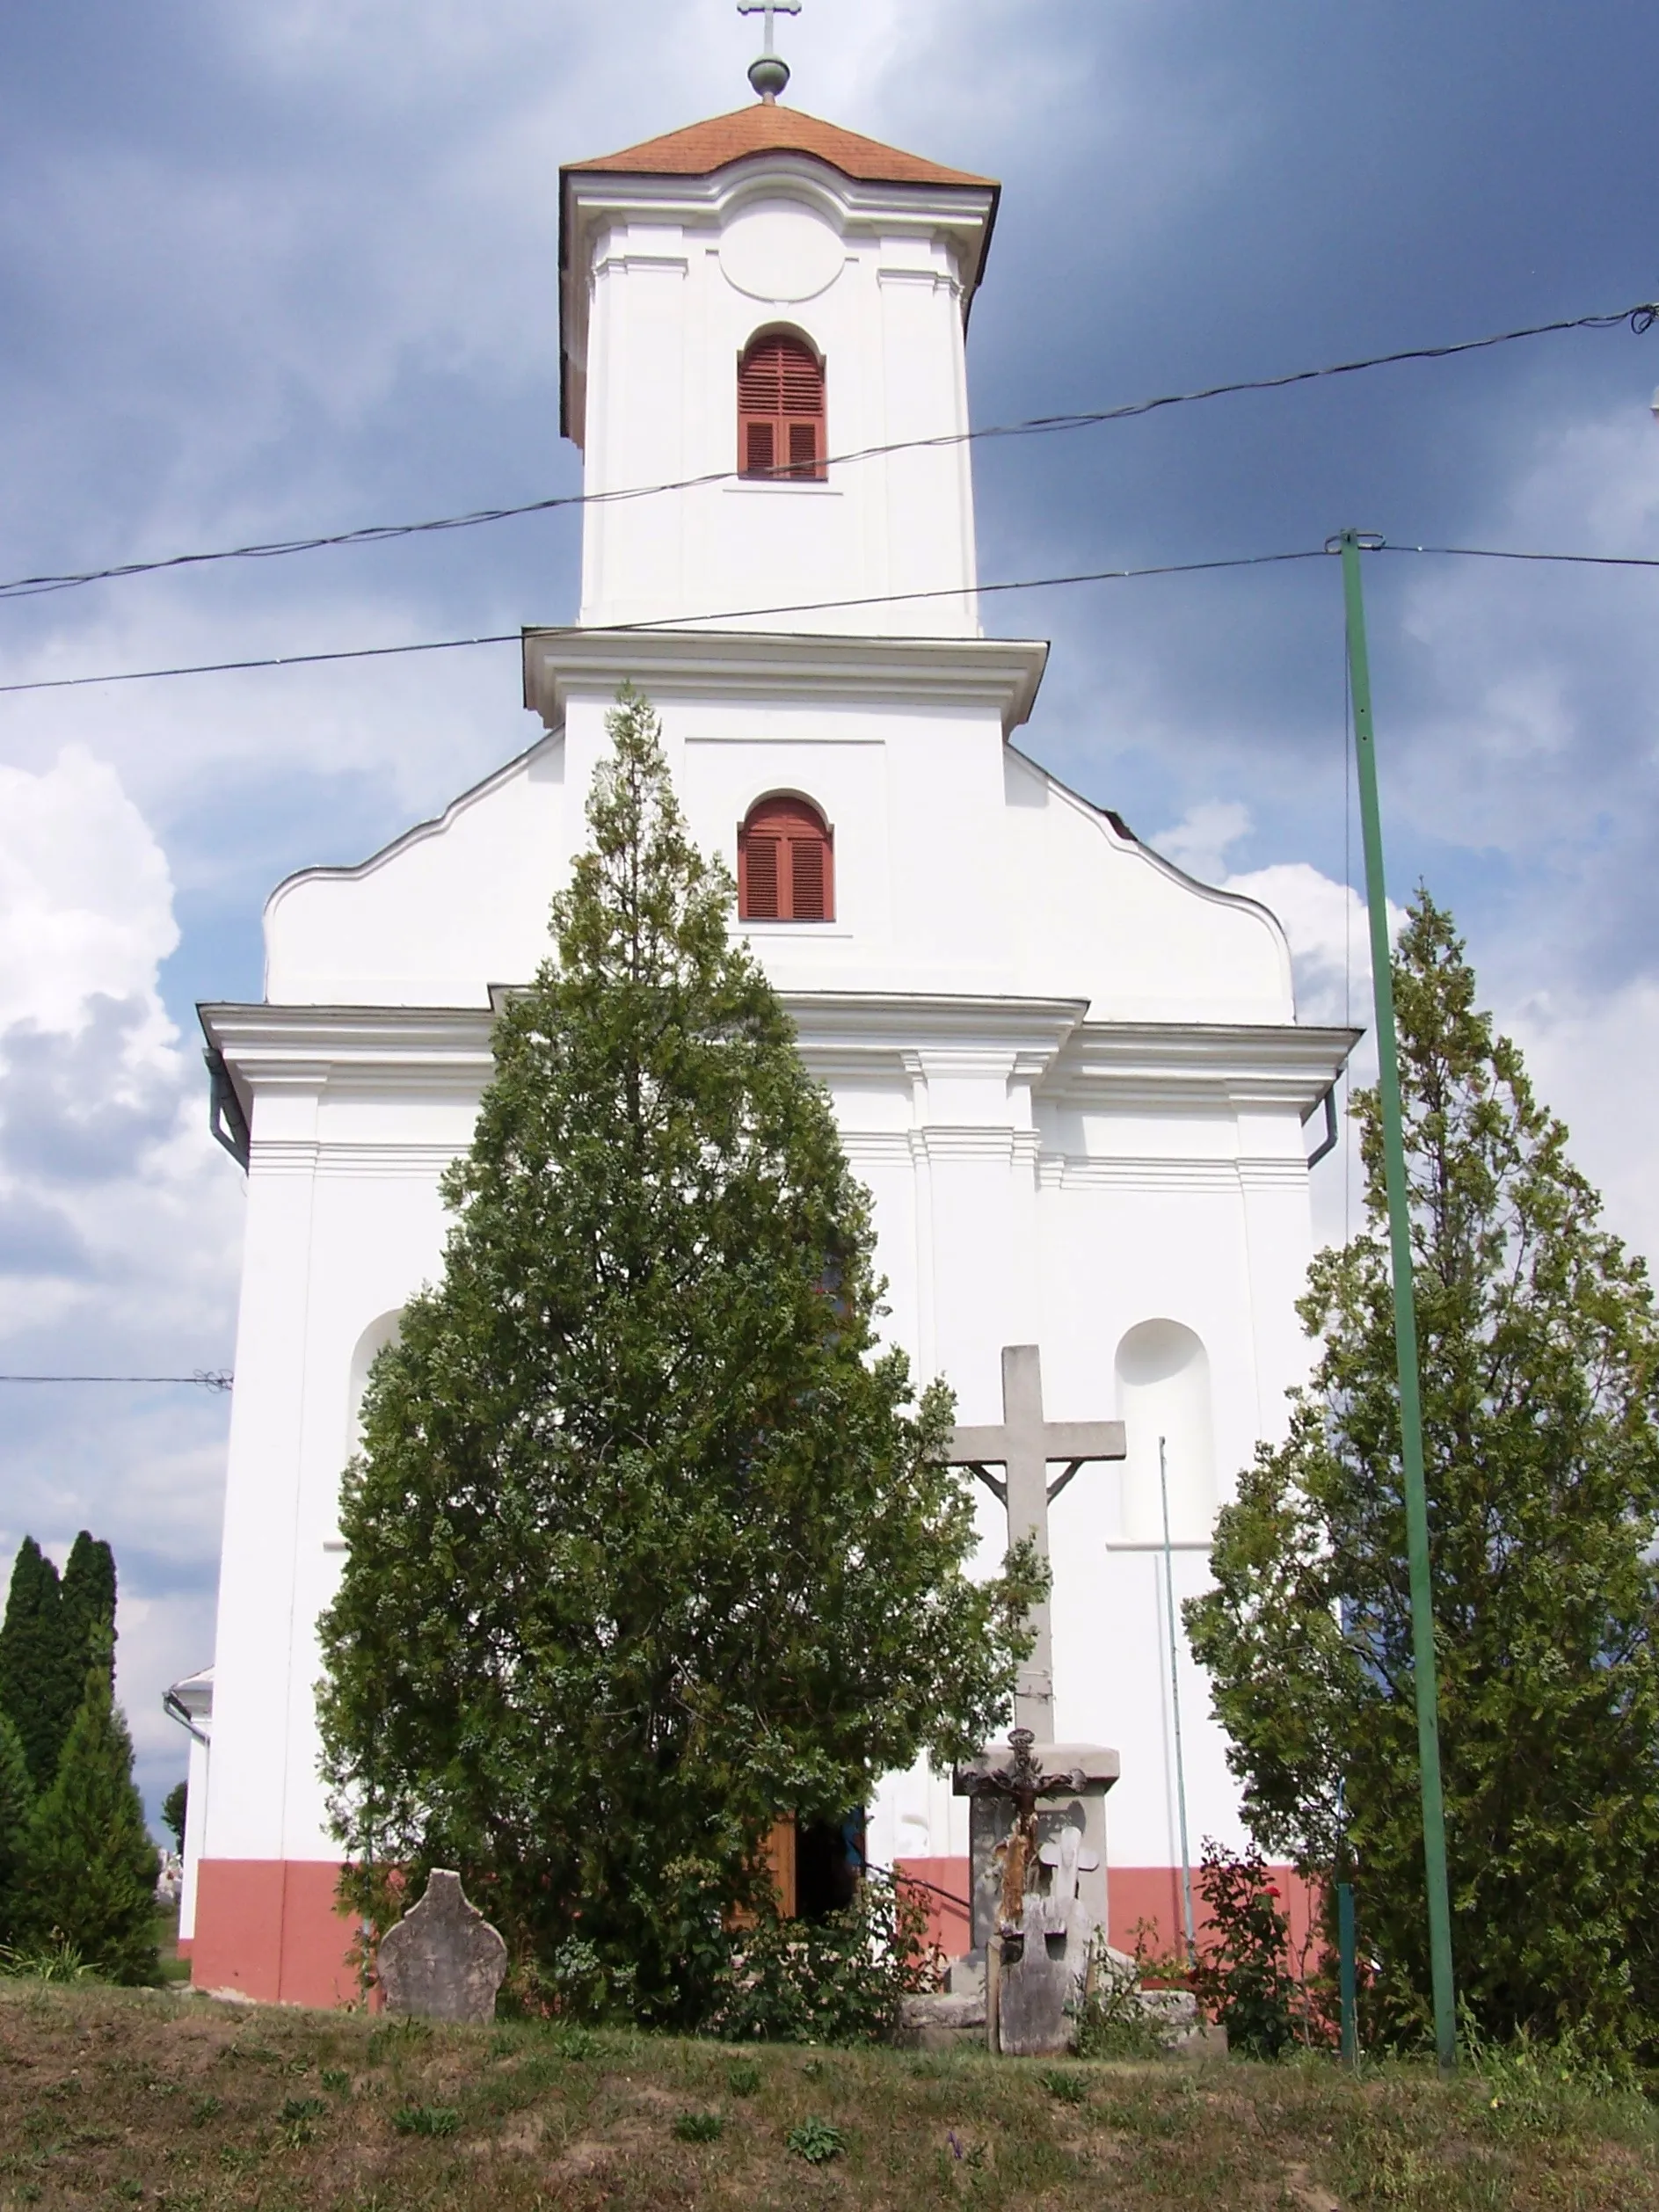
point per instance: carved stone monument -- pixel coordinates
(443, 1960)
(1038, 1819)
(1038, 1846)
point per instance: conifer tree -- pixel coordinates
(175, 1809)
(1540, 1356)
(90, 1867)
(17, 1801)
(647, 1545)
(31, 1662)
(88, 1611)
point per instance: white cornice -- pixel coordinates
(1226, 1064)
(312, 1047)
(994, 672)
(1072, 1061)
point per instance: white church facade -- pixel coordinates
(1072, 1077)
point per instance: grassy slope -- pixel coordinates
(111, 2096)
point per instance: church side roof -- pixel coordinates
(700, 148)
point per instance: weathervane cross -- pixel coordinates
(770, 74)
(768, 9)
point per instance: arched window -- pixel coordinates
(781, 410)
(786, 864)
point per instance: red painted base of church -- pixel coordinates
(1143, 1904)
(946, 1898)
(269, 1929)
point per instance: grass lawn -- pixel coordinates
(150, 2096)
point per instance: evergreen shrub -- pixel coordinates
(841, 1980)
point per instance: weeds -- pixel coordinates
(1111, 2021)
(700, 2126)
(56, 1960)
(1065, 2086)
(426, 2119)
(817, 2140)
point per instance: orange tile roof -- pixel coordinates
(764, 128)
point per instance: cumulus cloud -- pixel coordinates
(118, 1219)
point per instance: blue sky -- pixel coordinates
(267, 269)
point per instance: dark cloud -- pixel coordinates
(38, 1239)
(81, 1106)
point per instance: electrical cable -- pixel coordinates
(1495, 553)
(822, 605)
(204, 1379)
(1639, 318)
(725, 615)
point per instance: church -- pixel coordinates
(1070, 1076)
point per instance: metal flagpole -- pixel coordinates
(1434, 1821)
(1174, 1699)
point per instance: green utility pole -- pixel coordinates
(1434, 1817)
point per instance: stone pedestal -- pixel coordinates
(1034, 1950)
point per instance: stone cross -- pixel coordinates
(442, 1961)
(1024, 1446)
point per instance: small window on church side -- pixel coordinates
(786, 864)
(781, 411)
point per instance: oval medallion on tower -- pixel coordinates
(781, 252)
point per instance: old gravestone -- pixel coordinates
(443, 1961)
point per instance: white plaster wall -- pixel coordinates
(959, 867)
(676, 290)
(196, 1784)
(452, 907)
(987, 1235)
(344, 1225)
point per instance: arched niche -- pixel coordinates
(1163, 1390)
(381, 1332)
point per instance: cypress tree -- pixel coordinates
(649, 1542)
(1538, 1346)
(31, 1662)
(88, 1613)
(175, 1811)
(90, 1867)
(17, 1802)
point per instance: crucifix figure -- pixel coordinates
(1024, 1446)
(770, 74)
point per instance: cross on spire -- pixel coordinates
(1024, 1445)
(769, 74)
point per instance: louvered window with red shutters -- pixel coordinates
(781, 411)
(786, 864)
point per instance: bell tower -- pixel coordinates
(767, 243)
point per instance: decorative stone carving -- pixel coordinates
(1038, 1837)
(443, 1960)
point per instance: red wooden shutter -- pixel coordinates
(781, 410)
(785, 864)
(806, 879)
(760, 878)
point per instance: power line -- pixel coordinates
(1639, 319)
(204, 1379)
(1496, 553)
(725, 615)
(824, 606)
